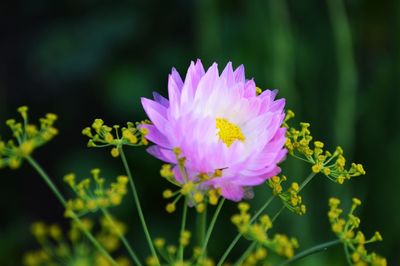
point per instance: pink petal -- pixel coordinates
(156, 113)
(162, 154)
(161, 99)
(239, 74)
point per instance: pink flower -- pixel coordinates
(219, 123)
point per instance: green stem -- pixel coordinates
(348, 259)
(307, 180)
(211, 227)
(202, 225)
(183, 225)
(138, 206)
(121, 236)
(310, 251)
(239, 235)
(54, 189)
(258, 213)
(277, 214)
(245, 254)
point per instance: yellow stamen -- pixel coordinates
(228, 132)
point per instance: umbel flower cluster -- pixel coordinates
(71, 247)
(219, 136)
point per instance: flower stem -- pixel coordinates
(121, 236)
(239, 235)
(310, 251)
(307, 180)
(62, 200)
(346, 252)
(210, 228)
(137, 202)
(183, 225)
(202, 223)
(277, 214)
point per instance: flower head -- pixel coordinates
(220, 124)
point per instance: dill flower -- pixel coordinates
(220, 123)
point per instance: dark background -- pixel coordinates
(338, 66)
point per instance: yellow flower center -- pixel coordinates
(228, 132)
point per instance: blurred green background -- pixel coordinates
(337, 62)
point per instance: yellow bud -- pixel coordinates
(144, 131)
(377, 236)
(52, 117)
(295, 186)
(115, 199)
(316, 168)
(170, 208)
(166, 171)
(122, 179)
(108, 138)
(334, 202)
(213, 197)
(114, 152)
(127, 134)
(91, 205)
(167, 193)
(198, 197)
(55, 231)
(275, 179)
(78, 204)
(218, 173)
(177, 151)
(318, 144)
(87, 131)
(70, 179)
(27, 147)
(159, 242)
(23, 110)
(260, 253)
(236, 219)
(187, 187)
(356, 202)
(123, 261)
(340, 179)
(97, 124)
(14, 163)
(303, 209)
(39, 229)
(171, 249)
(266, 221)
(243, 206)
(326, 171)
(200, 207)
(151, 261)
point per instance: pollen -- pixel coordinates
(228, 132)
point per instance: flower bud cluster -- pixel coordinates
(300, 144)
(353, 239)
(27, 137)
(194, 191)
(70, 248)
(92, 193)
(255, 257)
(109, 233)
(258, 232)
(101, 135)
(290, 197)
